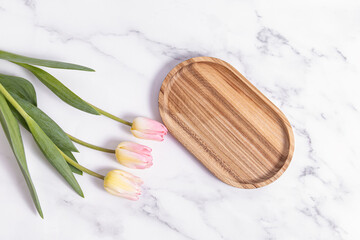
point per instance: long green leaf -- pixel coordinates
(23, 91)
(53, 154)
(13, 135)
(50, 127)
(19, 86)
(73, 169)
(39, 62)
(59, 89)
(22, 121)
(19, 118)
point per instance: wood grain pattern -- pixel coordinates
(226, 123)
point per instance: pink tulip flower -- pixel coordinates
(123, 184)
(146, 128)
(134, 155)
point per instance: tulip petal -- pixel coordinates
(142, 135)
(123, 184)
(146, 128)
(133, 159)
(147, 123)
(135, 147)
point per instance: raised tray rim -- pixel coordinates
(287, 124)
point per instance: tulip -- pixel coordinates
(123, 184)
(146, 128)
(134, 155)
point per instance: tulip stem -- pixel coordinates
(78, 166)
(74, 139)
(109, 115)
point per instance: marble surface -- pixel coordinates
(303, 55)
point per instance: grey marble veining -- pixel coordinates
(303, 55)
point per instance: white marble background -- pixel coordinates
(303, 55)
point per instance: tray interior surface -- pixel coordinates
(226, 123)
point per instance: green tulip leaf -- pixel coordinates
(19, 118)
(23, 91)
(73, 169)
(59, 89)
(50, 127)
(12, 131)
(22, 121)
(20, 87)
(53, 154)
(39, 62)
(49, 149)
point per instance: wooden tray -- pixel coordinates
(226, 123)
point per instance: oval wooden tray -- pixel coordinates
(226, 122)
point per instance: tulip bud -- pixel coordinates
(146, 128)
(134, 155)
(123, 184)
